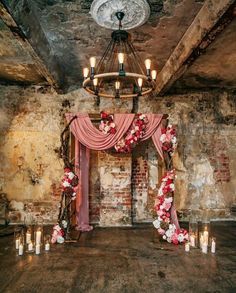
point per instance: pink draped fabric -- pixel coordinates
(82, 156)
(89, 137)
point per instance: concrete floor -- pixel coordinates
(122, 260)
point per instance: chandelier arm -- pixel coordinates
(112, 58)
(131, 63)
(104, 56)
(136, 56)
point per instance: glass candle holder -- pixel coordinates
(18, 237)
(193, 230)
(29, 235)
(47, 241)
(30, 247)
(38, 235)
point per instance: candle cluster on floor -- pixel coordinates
(31, 239)
(200, 236)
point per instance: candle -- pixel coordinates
(38, 237)
(20, 249)
(37, 249)
(187, 247)
(28, 237)
(30, 246)
(192, 240)
(47, 246)
(213, 246)
(17, 243)
(204, 247)
(205, 236)
(201, 240)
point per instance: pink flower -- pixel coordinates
(161, 231)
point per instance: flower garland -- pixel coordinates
(134, 134)
(163, 205)
(168, 139)
(69, 185)
(107, 125)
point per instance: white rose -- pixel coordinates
(106, 128)
(156, 224)
(71, 175)
(172, 186)
(174, 140)
(136, 128)
(113, 125)
(163, 138)
(60, 239)
(180, 237)
(66, 184)
(164, 237)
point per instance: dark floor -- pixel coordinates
(122, 260)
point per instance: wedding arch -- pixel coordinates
(123, 132)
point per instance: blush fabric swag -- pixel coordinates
(89, 137)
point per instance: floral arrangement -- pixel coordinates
(107, 125)
(134, 134)
(70, 183)
(57, 234)
(168, 139)
(163, 205)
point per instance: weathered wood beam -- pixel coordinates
(212, 18)
(26, 45)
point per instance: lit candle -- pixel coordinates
(38, 237)
(21, 249)
(86, 72)
(37, 249)
(205, 236)
(187, 247)
(213, 246)
(154, 74)
(192, 240)
(204, 247)
(47, 246)
(28, 237)
(201, 240)
(17, 243)
(30, 246)
(148, 66)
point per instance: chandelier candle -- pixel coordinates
(92, 65)
(154, 75)
(121, 62)
(85, 72)
(148, 66)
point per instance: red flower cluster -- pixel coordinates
(168, 139)
(107, 125)
(134, 134)
(69, 183)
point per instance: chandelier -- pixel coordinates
(120, 73)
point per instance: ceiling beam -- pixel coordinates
(20, 36)
(212, 18)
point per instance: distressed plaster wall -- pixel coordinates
(30, 171)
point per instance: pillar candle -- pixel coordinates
(47, 246)
(17, 243)
(204, 247)
(21, 248)
(37, 249)
(28, 238)
(213, 246)
(30, 246)
(187, 247)
(38, 237)
(205, 236)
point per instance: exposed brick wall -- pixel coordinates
(115, 190)
(220, 160)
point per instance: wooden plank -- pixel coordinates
(21, 38)
(198, 36)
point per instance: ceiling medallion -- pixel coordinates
(120, 73)
(104, 12)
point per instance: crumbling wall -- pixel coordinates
(30, 171)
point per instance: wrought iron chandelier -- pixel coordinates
(120, 73)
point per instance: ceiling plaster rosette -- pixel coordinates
(136, 13)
